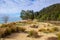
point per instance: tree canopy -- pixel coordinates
(50, 13)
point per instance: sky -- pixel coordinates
(15, 6)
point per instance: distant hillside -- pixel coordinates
(50, 13)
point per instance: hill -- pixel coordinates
(50, 13)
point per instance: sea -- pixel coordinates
(11, 17)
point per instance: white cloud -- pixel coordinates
(15, 6)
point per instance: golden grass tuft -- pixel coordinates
(21, 29)
(58, 34)
(49, 30)
(34, 26)
(7, 29)
(33, 33)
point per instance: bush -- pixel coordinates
(8, 25)
(58, 34)
(49, 30)
(20, 29)
(13, 29)
(5, 31)
(8, 31)
(55, 29)
(3, 25)
(44, 30)
(2, 31)
(34, 26)
(33, 33)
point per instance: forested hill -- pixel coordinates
(50, 13)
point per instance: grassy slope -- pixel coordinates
(26, 25)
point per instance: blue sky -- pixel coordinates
(15, 6)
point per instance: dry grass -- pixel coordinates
(21, 29)
(7, 29)
(55, 22)
(34, 26)
(58, 34)
(33, 33)
(49, 30)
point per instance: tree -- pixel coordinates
(51, 13)
(5, 18)
(29, 14)
(23, 16)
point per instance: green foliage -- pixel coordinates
(29, 14)
(51, 13)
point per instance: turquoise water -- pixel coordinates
(12, 17)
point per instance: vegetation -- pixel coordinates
(34, 26)
(29, 14)
(51, 13)
(49, 30)
(58, 35)
(33, 33)
(7, 29)
(21, 29)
